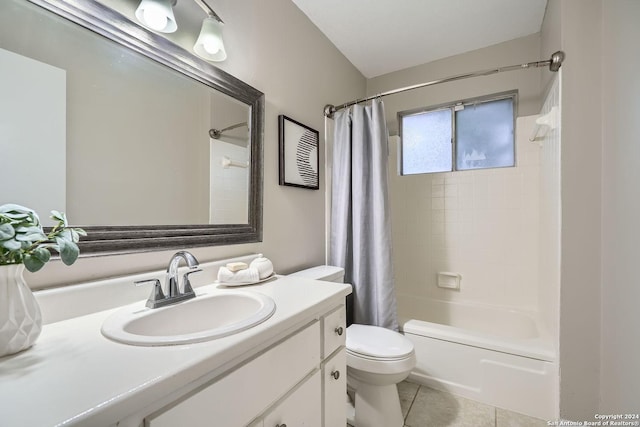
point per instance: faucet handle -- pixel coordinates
(186, 287)
(156, 292)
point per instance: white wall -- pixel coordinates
(599, 336)
(581, 210)
(575, 27)
(620, 351)
(33, 134)
(275, 48)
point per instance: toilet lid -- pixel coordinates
(374, 341)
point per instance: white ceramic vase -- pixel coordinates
(20, 317)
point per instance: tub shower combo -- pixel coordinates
(495, 354)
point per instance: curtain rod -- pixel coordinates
(216, 133)
(554, 65)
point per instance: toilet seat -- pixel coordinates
(381, 367)
(377, 359)
(378, 350)
(375, 342)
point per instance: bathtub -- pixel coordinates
(488, 354)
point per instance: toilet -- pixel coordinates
(377, 359)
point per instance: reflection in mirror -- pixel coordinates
(126, 141)
(32, 91)
(137, 136)
(228, 164)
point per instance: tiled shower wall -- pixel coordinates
(550, 215)
(482, 224)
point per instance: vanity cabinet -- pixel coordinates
(303, 407)
(300, 381)
(334, 368)
(334, 389)
(334, 331)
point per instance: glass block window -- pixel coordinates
(472, 134)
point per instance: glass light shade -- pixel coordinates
(210, 45)
(157, 15)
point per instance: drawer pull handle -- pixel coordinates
(281, 425)
(335, 374)
(339, 330)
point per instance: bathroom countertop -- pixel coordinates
(73, 375)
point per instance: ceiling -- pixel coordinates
(382, 36)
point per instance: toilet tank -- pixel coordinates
(328, 273)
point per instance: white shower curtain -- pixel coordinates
(360, 237)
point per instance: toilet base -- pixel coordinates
(351, 412)
(378, 406)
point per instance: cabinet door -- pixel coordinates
(334, 330)
(238, 397)
(302, 408)
(334, 382)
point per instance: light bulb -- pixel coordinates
(155, 17)
(212, 45)
(209, 44)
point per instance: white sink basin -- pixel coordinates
(211, 314)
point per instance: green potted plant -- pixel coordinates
(25, 244)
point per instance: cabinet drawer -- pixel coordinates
(300, 409)
(334, 382)
(334, 331)
(235, 399)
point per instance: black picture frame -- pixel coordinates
(299, 154)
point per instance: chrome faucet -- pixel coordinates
(173, 293)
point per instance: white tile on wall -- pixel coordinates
(480, 223)
(549, 193)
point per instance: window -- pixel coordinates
(473, 134)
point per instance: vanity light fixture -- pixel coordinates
(209, 44)
(157, 15)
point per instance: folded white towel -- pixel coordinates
(248, 275)
(263, 265)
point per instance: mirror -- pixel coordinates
(138, 141)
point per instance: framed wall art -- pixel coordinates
(299, 160)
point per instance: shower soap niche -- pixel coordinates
(449, 280)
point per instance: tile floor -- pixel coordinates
(425, 407)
